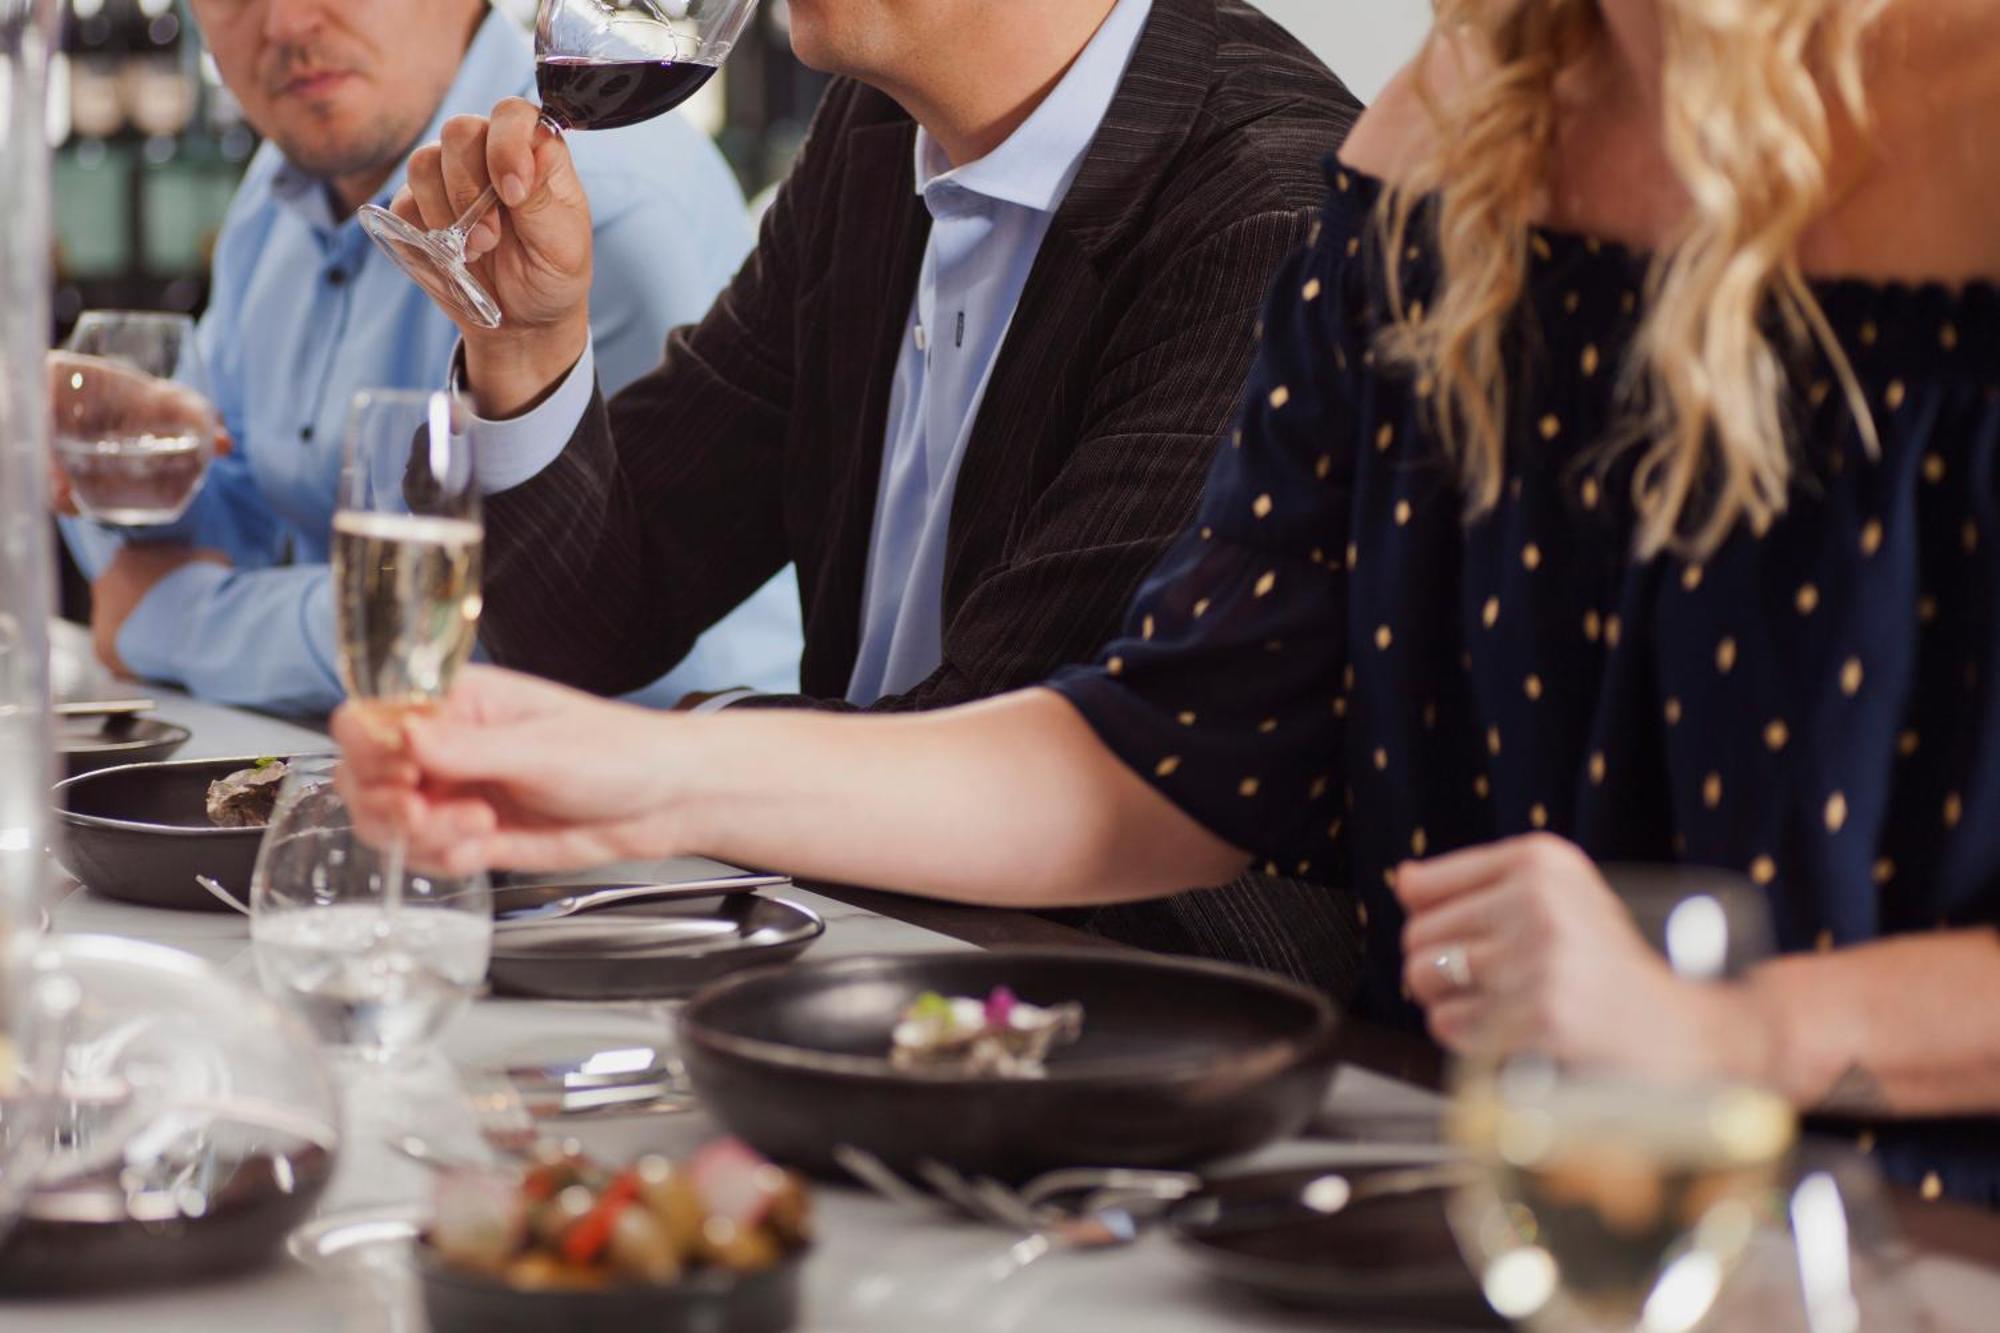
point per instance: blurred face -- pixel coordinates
(343, 87)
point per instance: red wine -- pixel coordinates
(584, 94)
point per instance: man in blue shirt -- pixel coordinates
(235, 601)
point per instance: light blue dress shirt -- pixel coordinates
(304, 313)
(988, 221)
(988, 218)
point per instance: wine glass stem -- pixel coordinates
(392, 876)
(469, 219)
(490, 196)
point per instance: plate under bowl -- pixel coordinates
(765, 1302)
(140, 833)
(66, 1243)
(657, 951)
(90, 743)
(1389, 1261)
(1180, 1062)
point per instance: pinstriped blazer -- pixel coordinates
(758, 440)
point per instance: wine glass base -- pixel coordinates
(433, 264)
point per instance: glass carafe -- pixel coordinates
(27, 28)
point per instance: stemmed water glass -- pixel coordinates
(133, 433)
(1610, 1200)
(376, 959)
(599, 65)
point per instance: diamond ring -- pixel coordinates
(1454, 966)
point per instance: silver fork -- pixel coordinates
(1044, 1231)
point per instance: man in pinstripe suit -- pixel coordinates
(970, 380)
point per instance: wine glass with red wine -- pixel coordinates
(599, 65)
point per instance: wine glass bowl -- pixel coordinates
(376, 960)
(132, 432)
(1613, 1197)
(599, 65)
(407, 546)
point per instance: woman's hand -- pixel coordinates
(1521, 946)
(512, 771)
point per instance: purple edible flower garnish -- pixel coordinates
(1000, 1007)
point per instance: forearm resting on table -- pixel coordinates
(1012, 802)
(1907, 1026)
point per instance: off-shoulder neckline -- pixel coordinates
(1366, 188)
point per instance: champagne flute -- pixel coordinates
(133, 433)
(406, 561)
(599, 65)
(1614, 1201)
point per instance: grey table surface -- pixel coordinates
(876, 1267)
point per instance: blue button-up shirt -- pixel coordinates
(988, 218)
(304, 313)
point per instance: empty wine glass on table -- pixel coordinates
(1614, 1201)
(599, 65)
(133, 430)
(369, 977)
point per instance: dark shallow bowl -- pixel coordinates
(1389, 1261)
(653, 951)
(460, 1302)
(1180, 1063)
(140, 833)
(80, 1242)
(91, 743)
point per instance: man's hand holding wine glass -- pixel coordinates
(533, 253)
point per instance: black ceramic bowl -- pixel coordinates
(1179, 1063)
(91, 743)
(457, 1301)
(140, 833)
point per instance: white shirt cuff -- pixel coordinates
(723, 700)
(514, 451)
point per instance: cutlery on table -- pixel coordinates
(104, 708)
(216, 890)
(614, 895)
(1325, 1195)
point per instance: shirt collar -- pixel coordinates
(500, 63)
(1034, 166)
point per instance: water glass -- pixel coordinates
(377, 959)
(133, 431)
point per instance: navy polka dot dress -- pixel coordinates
(1334, 670)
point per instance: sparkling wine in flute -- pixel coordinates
(1612, 1204)
(408, 603)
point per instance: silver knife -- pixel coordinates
(592, 897)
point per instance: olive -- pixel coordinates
(641, 1246)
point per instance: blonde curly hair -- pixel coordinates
(1750, 92)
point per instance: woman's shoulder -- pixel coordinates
(1398, 127)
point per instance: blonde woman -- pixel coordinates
(1532, 551)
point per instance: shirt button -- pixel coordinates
(336, 277)
(306, 433)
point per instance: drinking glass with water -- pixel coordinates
(133, 432)
(377, 960)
